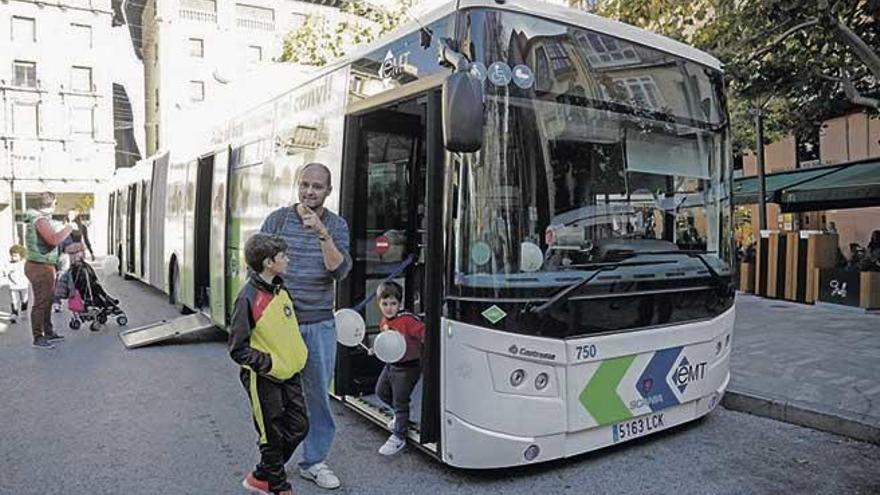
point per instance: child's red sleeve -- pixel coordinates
(414, 327)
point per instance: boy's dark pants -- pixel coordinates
(395, 386)
(280, 418)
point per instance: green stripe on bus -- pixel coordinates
(600, 397)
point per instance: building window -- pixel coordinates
(82, 120)
(25, 119)
(255, 54)
(81, 79)
(253, 17)
(199, 10)
(196, 48)
(559, 60)
(605, 51)
(196, 91)
(24, 29)
(82, 36)
(642, 90)
(25, 74)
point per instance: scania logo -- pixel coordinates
(288, 311)
(514, 349)
(686, 373)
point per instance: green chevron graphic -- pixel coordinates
(600, 397)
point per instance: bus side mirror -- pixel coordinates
(462, 112)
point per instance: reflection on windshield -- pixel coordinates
(615, 152)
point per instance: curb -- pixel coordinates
(838, 422)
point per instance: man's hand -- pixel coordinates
(311, 220)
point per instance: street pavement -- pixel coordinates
(815, 366)
(91, 417)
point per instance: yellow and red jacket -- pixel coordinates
(264, 335)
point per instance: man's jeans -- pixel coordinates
(320, 339)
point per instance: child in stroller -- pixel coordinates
(86, 298)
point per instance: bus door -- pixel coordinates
(202, 231)
(131, 229)
(384, 202)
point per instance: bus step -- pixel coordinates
(165, 330)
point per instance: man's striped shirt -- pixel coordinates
(307, 279)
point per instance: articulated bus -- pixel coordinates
(572, 259)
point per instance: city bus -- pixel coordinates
(553, 191)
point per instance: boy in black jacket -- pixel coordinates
(264, 340)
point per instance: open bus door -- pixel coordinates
(384, 199)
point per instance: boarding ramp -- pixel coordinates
(165, 330)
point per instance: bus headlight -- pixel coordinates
(541, 381)
(517, 377)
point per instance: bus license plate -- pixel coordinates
(637, 427)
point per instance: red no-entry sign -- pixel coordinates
(381, 245)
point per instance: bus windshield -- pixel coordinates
(598, 154)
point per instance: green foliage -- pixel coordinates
(783, 56)
(320, 39)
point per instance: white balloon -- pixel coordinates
(111, 265)
(350, 327)
(389, 346)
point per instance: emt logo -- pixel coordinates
(685, 373)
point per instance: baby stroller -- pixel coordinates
(88, 301)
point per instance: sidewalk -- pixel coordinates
(815, 366)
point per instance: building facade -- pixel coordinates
(195, 49)
(56, 109)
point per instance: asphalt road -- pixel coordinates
(90, 417)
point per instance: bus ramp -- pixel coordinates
(165, 330)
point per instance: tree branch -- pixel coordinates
(853, 94)
(763, 51)
(861, 49)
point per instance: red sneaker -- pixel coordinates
(253, 485)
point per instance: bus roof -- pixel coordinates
(549, 11)
(535, 8)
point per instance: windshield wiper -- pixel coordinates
(561, 295)
(537, 310)
(716, 277)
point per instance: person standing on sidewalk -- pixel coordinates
(265, 341)
(318, 241)
(42, 241)
(75, 218)
(15, 279)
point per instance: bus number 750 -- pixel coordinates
(586, 351)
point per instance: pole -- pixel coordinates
(759, 153)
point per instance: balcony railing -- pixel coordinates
(255, 24)
(198, 15)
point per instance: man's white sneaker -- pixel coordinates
(390, 423)
(321, 474)
(392, 446)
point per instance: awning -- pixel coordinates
(846, 185)
(853, 186)
(745, 189)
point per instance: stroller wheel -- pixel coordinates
(95, 326)
(102, 318)
(122, 320)
(74, 324)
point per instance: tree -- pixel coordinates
(799, 61)
(322, 39)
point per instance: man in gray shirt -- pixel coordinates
(317, 245)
